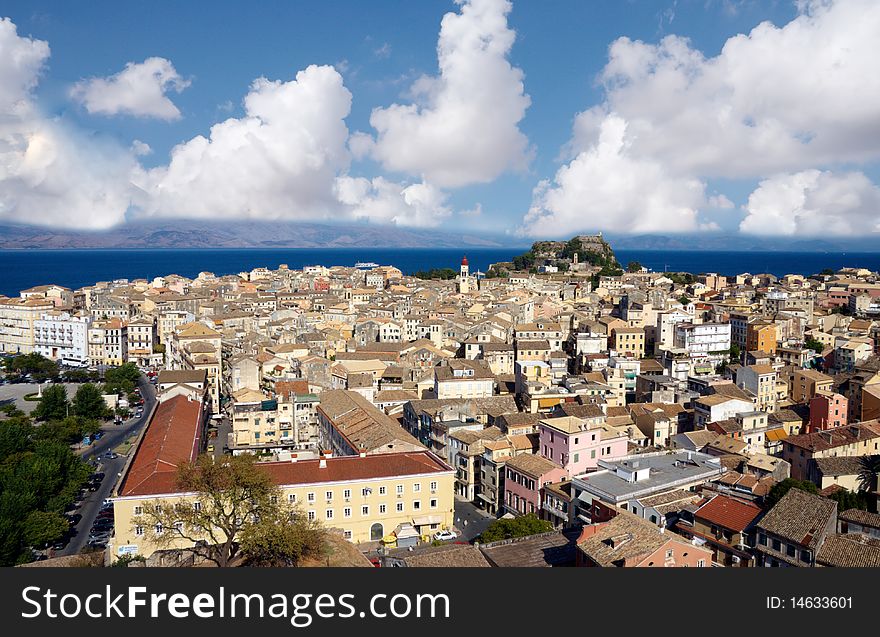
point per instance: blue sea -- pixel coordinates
(21, 269)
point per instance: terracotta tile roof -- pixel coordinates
(730, 513)
(852, 550)
(172, 437)
(836, 437)
(354, 468)
(800, 517)
(857, 516)
(532, 465)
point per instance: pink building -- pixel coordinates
(577, 444)
(524, 477)
(827, 411)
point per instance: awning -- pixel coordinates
(485, 499)
(427, 519)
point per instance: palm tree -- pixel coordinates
(869, 470)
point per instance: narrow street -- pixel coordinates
(470, 520)
(113, 436)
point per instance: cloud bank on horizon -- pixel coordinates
(793, 108)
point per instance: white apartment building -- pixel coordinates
(17, 318)
(63, 338)
(703, 341)
(666, 323)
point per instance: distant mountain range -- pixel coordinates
(741, 243)
(242, 234)
(190, 233)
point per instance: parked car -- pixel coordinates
(445, 534)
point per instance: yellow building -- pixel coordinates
(628, 341)
(808, 383)
(761, 336)
(17, 318)
(367, 497)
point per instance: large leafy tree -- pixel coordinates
(505, 529)
(53, 405)
(282, 537)
(38, 366)
(235, 505)
(88, 403)
(39, 477)
(122, 379)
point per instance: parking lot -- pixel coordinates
(15, 392)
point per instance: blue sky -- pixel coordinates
(380, 48)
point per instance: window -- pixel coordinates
(382, 508)
(311, 515)
(399, 489)
(433, 503)
(291, 498)
(365, 510)
(346, 512)
(329, 495)
(346, 535)
(311, 497)
(417, 487)
(417, 505)
(669, 554)
(433, 486)
(197, 506)
(383, 490)
(701, 563)
(138, 510)
(329, 514)
(138, 530)
(346, 494)
(159, 528)
(400, 507)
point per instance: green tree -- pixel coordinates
(282, 537)
(88, 403)
(778, 490)
(633, 266)
(39, 478)
(122, 379)
(683, 299)
(67, 430)
(38, 366)
(735, 352)
(847, 500)
(813, 344)
(230, 496)
(42, 527)
(522, 526)
(53, 405)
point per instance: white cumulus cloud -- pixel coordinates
(463, 125)
(279, 160)
(786, 99)
(139, 89)
(608, 188)
(49, 173)
(814, 203)
(382, 201)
